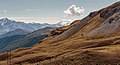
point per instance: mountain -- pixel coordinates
(26, 41)
(7, 25)
(15, 32)
(94, 40)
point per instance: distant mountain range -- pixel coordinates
(7, 25)
(15, 34)
(19, 39)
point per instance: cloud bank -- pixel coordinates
(74, 10)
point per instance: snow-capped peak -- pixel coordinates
(3, 21)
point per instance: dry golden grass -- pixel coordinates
(74, 52)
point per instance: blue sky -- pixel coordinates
(47, 11)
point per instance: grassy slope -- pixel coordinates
(74, 52)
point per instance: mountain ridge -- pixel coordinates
(15, 32)
(7, 25)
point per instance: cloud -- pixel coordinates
(74, 10)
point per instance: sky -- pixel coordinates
(48, 11)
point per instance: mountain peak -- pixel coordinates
(5, 19)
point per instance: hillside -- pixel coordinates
(11, 42)
(94, 40)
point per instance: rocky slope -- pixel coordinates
(95, 40)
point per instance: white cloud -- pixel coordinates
(74, 10)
